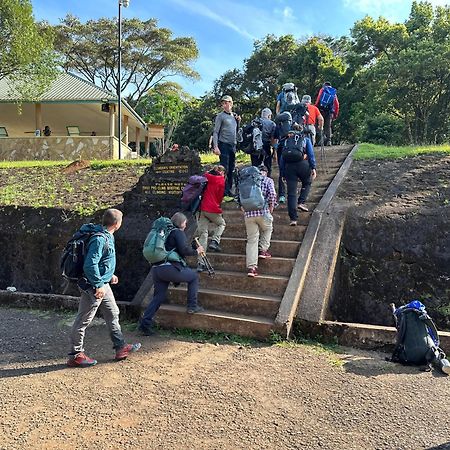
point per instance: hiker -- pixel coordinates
(287, 98)
(224, 141)
(166, 271)
(328, 104)
(211, 213)
(268, 135)
(313, 117)
(98, 268)
(259, 225)
(298, 163)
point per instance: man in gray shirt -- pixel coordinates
(224, 140)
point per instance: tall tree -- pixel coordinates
(149, 54)
(26, 55)
(164, 105)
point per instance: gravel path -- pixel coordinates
(179, 395)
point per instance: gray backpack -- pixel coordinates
(249, 186)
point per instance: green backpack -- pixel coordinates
(155, 243)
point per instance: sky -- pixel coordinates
(225, 30)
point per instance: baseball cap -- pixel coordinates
(226, 98)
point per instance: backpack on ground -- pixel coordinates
(326, 101)
(249, 180)
(289, 97)
(284, 123)
(74, 253)
(192, 193)
(417, 338)
(252, 142)
(154, 250)
(294, 147)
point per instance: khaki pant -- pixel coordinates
(207, 221)
(259, 232)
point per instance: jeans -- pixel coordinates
(293, 172)
(163, 275)
(86, 312)
(228, 159)
(259, 231)
(204, 222)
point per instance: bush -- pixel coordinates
(384, 129)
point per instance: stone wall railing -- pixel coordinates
(54, 148)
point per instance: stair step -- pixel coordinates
(278, 248)
(229, 301)
(174, 316)
(280, 230)
(273, 285)
(271, 266)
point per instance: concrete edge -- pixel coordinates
(291, 297)
(359, 335)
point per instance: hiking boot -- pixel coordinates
(252, 272)
(264, 254)
(293, 223)
(302, 207)
(201, 267)
(81, 360)
(195, 309)
(214, 246)
(281, 199)
(146, 331)
(123, 352)
(228, 198)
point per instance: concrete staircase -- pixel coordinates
(235, 303)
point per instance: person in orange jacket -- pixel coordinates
(328, 104)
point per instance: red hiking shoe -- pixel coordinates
(264, 254)
(81, 360)
(123, 352)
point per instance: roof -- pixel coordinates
(68, 88)
(65, 88)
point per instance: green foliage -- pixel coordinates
(373, 151)
(26, 55)
(149, 53)
(383, 129)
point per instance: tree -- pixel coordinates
(26, 55)
(164, 105)
(149, 54)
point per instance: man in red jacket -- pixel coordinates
(211, 212)
(329, 107)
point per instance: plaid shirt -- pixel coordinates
(268, 192)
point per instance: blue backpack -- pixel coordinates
(326, 101)
(417, 337)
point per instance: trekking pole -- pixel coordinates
(205, 260)
(322, 152)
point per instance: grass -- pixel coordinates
(373, 151)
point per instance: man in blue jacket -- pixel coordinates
(99, 266)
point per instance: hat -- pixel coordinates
(306, 99)
(288, 86)
(226, 98)
(265, 113)
(263, 168)
(327, 83)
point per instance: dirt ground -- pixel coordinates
(177, 394)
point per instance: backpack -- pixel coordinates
(300, 114)
(289, 97)
(417, 336)
(293, 147)
(154, 250)
(249, 182)
(252, 143)
(192, 193)
(326, 101)
(284, 123)
(72, 257)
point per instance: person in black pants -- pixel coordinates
(305, 171)
(166, 272)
